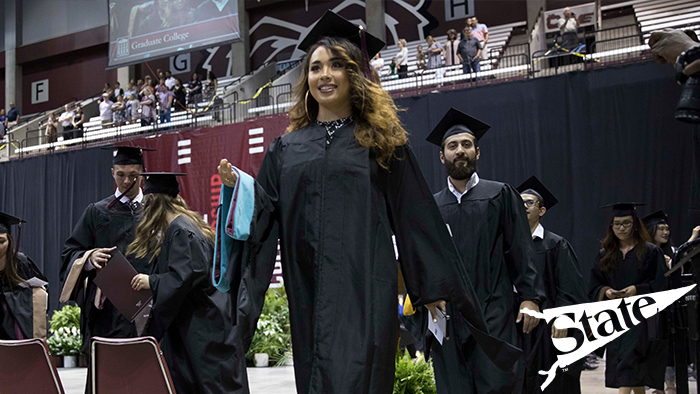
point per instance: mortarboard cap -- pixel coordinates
(535, 187)
(7, 221)
(655, 218)
(334, 25)
(456, 122)
(623, 208)
(126, 155)
(162, 182)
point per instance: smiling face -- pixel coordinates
(328, 82)
(460, 156)
(662, 234)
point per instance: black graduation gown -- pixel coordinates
(99, 227)
(16, 302)
(636, 358)
(190, 318)
(334, 210)
(493, 238)
(563, 285)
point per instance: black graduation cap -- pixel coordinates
(655, 218)
(623, 208)
(127, 155)
(536, 188)
(7, 221)
(334, 25)
(456, 122)
(162, 182)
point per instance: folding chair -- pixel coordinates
(128, 365)
(26, 367)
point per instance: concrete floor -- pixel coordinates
(281, 381)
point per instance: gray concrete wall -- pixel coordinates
(47, 19)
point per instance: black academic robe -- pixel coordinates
(563, 285)
(493, 237)
(334, 210)
(637, 357)
(100, 227)
(191, 319)
(16, 302)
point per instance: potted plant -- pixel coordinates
(65, 339)
(413, 375)
(272, 339)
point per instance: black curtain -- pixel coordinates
(592, 137)
(50, 192)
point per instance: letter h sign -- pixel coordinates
(458, 9)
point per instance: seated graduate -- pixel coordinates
(189, 318)
(628, 265)
(333, 190)
(23, 296)
(563, 286)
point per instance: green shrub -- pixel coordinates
(413, 376)
(273, 333)
(64, 330)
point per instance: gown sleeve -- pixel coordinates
(188, 267)
(598, 282)
(81, 240)
(657, 268)
(246, 265)
(429, 259)
(570, 289)
(519, 248)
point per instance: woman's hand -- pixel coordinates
(696, 233)
(228, 177)
(140, 282)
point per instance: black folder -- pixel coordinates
(115, 282)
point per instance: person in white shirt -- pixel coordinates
(66, 120)
(106, 109)
(568, 26)
(451, 45)
(402, 59)
(169, 80)
(377, 63)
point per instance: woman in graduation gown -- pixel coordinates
(23, 296)
(333, 190)
(629, 265)
(189, 318)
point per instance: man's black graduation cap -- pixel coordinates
(536, 188)
(127, 155)
(162, 182)
(334, 25)
(623, 208)
(655, 218)
(456, 122)
(7, 221)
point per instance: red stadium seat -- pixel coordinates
(128, 365)
(26, 367)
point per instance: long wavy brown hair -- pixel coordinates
(10, 271)
(377, 125)
(154, 224)
(611, 244)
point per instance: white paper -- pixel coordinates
(440, 328)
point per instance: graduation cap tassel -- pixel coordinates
(365, 55)
(19, 237)
(119, 197)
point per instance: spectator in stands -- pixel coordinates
(210, 86)
(147, 82)
(106, 109)
(119, 111)
(51, 128)
(133, 108)
(148, 107)
(393, 69)
(118, 91)
(568, 27)
(66, 120)
(130, 89)
(165, 98)
(377, 63)
(481, 32)
(139, 86)
(78, 120)
(194, 88)
(451, 45)
(110, 92)
(434, 53)
(3, 123)
(169, 80)
(160, 73)
(12, 116)
(179, 96)
(469, 54)
(402, 59)
(421, 57)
